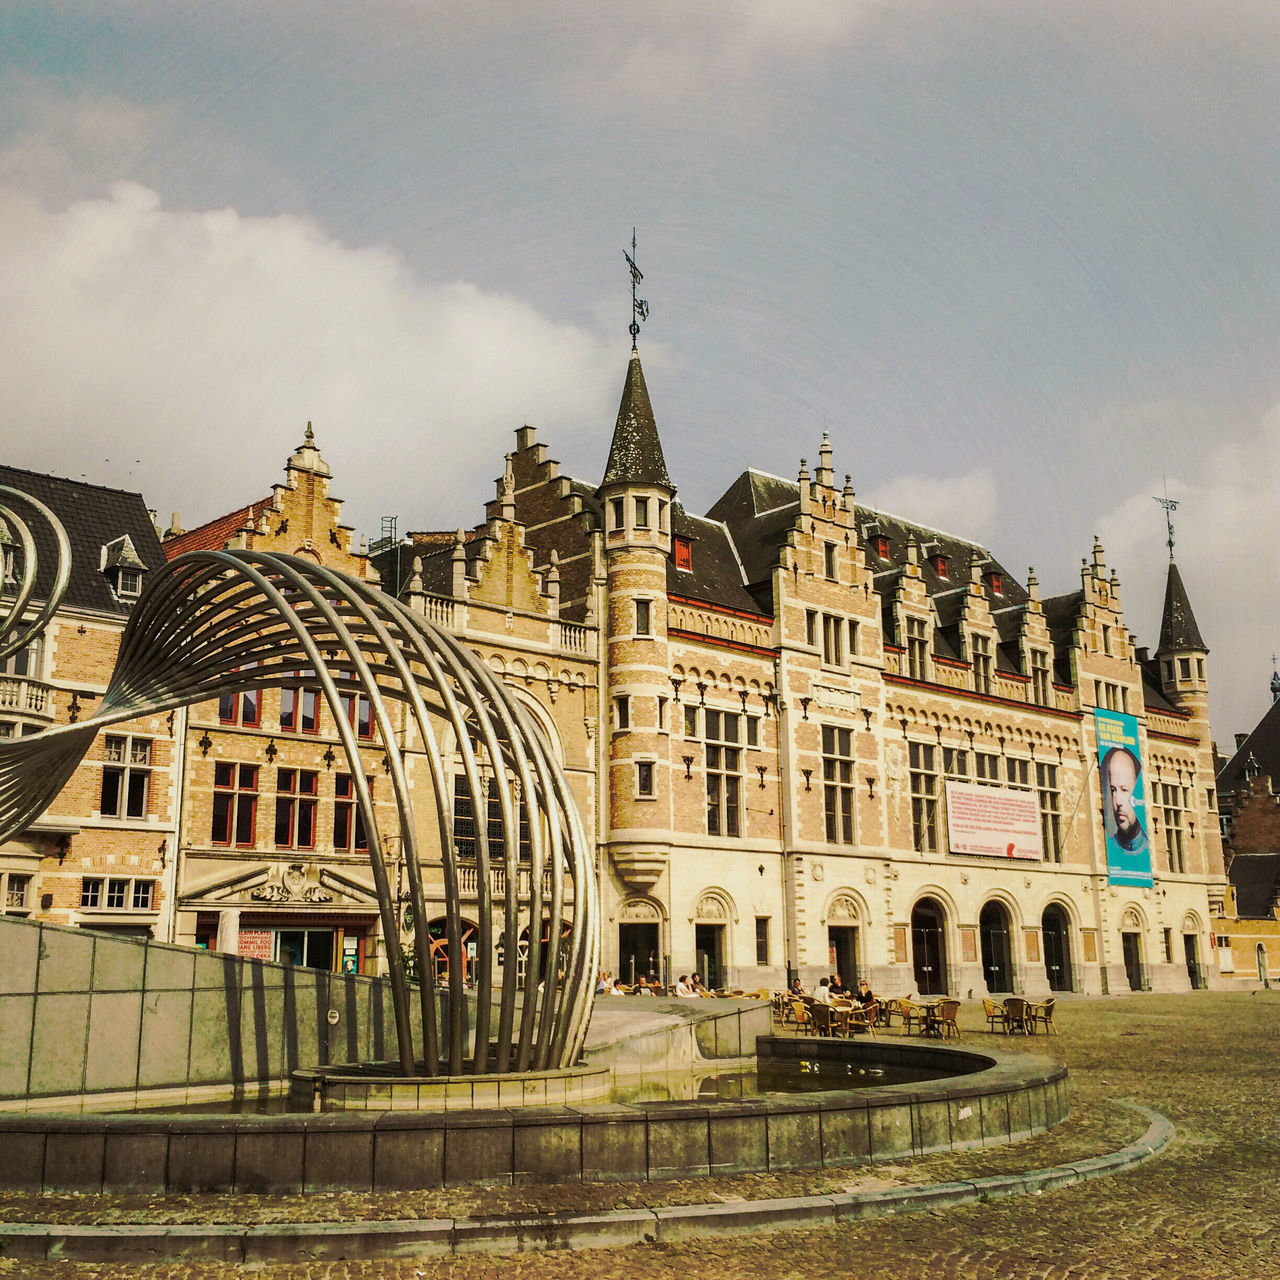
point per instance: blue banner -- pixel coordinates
(1124, 799)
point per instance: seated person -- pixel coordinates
(837, 987)
(617, 989)
(695, 981)
(823, 994)
(603, 982)
(682, 986)
(864, 993)
(797, 987)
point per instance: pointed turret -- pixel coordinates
(1178, 629)
(1181, 651)
(635, 456)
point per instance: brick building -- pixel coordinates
(99, 855)
(806, 736)
(1247, 933)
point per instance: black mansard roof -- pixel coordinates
(94, 517)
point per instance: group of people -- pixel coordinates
(832, 988)
(608, 985)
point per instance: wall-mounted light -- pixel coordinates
(688, 766)
(63, 847)
(804, 707)
(760, 868)
(702, 694)
(271, 750)
(808, 773)
(871, 786)
(163, 851)
(866, 715)
(328, 757)
(204, 742)
(676, 682)
(744, 694)
(761, 770)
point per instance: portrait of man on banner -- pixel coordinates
(1124, 806)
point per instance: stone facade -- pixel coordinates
(762, 714)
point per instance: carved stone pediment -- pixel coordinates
(295, 883)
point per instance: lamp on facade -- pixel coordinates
(271, 750)
(871, 786)
(163, 851)
(64, 847)
(761, 770)
(808, 773)
(744, 694)
(804, 707)
(328, 757)
(688, 766)
(204, 742)
(676, 682)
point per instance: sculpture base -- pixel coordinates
(376, 1086)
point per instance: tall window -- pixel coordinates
(832, 640)
(126, 777)
(358, 711)
(829, 560)
(645, 784)
(924, 797)
(981, 664)
(986, 768)
(300, 710)
(296, 792)
(1018, 773)
(348, 822)
(643, 612)
(235, 804)
(642, 513)
(26, 662)
(464, 819)
(837, 783)
(955, 762)
(622, 712)
(615, 507)
(762, 940)
(917, 649)
(724, 768)
(1050, 811)
(1040, 677)
(1173, 800)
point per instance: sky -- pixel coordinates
(1018, 258)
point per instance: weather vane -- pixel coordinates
(639, 307)
(1170, 505)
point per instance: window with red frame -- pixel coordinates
(358, 711)
(683, 552)
(300, 710)
(348, 821)
(241, 708)
(235, 804)
(882, 547)
(296, 791)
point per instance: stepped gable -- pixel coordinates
(1263, 745)
(1256, 880)
(1178, 628)
(93, 517)
(635, 454)
(716, 576)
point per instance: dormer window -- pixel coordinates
(996, 582)
(683, 553)
(123, 568)
(942, 567)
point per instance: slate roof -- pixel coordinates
(1256, 880)
(93, 517)
(1263, 744)
(1178, 629)
(635, 455)
(716, 575)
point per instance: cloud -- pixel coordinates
(965, 506)
(189, 348)
(1225, 543)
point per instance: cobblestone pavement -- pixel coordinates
(1209, 1207)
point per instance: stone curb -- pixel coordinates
(442, 1237)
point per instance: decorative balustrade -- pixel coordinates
(573, 637)
(440, 611)
(24, 696)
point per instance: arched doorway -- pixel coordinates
(1056, 931)
(997, 957)
(1131, 946)
(438, 945)
(640, 942)
(929, 946)
(842, 939)
(711, 918)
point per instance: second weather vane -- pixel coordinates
(639, 307)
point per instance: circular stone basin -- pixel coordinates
(376, 1086)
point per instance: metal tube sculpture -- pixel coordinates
(213, 623)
